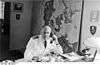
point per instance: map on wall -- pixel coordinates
(64, 17)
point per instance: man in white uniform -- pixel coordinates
(94, 44)
(42, 45)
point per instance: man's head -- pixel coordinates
(46, 31)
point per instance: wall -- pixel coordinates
(90, 5)
(20, 29)
(37, 17)
(29, 24)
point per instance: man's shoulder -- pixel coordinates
(35, 37)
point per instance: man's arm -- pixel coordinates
(58, 48)
(27, 53)
(31, 49)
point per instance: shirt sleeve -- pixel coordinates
(28, 54)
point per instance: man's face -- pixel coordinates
(47, 31)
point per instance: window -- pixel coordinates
(2, 10)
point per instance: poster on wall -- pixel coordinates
(18, 7)
(64, 18)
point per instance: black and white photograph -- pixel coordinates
(49, 31)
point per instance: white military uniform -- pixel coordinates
(94, 44)
(35, 47)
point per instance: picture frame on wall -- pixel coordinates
(18, 16)
(18, 7)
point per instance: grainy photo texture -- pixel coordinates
(49, 31)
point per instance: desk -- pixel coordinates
(59, 59)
